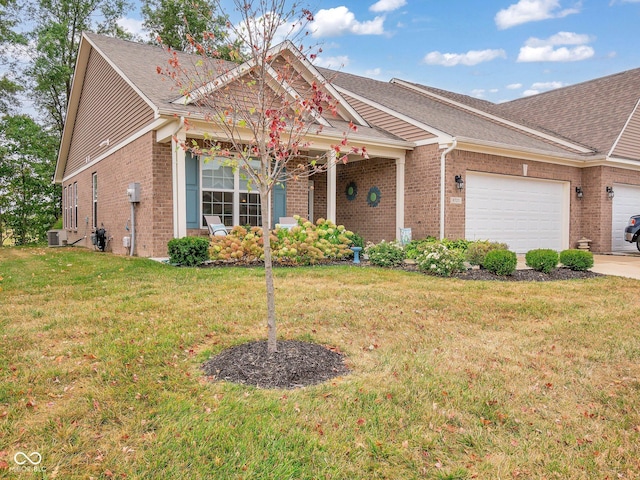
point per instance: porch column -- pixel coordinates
(399, 196)
(178, 156)
(331, 186)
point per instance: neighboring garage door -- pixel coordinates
(522, 212)
(626, 202)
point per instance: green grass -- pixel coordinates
(100, 357)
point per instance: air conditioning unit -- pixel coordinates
(57, 238)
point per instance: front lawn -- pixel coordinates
(451, 379)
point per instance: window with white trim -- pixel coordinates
(226, 193)
(74, 220)
(65, 201)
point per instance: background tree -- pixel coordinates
(172, 21)
(262, 126)
(54, 47)
(9, 38)
(28, 198)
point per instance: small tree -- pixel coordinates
(261, 110)
(28, 197)
(171, 21)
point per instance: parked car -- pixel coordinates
(632, 232)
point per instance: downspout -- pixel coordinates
(133, 229)
(174, 177)
(454, 143)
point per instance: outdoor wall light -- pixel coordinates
(610, 193)
(459, 182)
(579, 192)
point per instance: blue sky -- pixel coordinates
(495, 49)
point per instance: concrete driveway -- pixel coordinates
(621, 265)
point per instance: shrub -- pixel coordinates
(188, 251)
(478, 250)
(304, 244)
(357, 240)
(459, 244)
(501, 262)
(415, 248)
(385, 254)
(574, 259)
(437, 259)
(542, 259)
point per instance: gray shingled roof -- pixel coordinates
(441, 115)
(138, 63)
(592, 113)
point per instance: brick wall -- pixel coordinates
(422, 191)
(373, 223)
(154, 217)
(297, 193)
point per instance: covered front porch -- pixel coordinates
(366, 195)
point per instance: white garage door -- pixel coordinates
(522, 212)
(626, 203)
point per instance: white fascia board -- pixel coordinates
(349, 113)
(155, 125)
(532, 154)
(616, 162)
(215, 84)
(401, 116)
(626, 124)
(322, 142)
(495, 118)
(293, 94)
(152, 105)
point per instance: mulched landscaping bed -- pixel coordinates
(527, 275)
(295, 364)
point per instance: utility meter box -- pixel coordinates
(133, 192)
(126, 242)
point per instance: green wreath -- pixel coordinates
(373, 197)
(351, 191)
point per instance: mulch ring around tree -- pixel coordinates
(295, 364)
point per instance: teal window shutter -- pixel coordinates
(193, 191)
(279, 194)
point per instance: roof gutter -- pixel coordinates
(443, 156)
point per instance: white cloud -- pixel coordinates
(478, 92)
(340, 20)
(337, 62)
(514, 86)
(494, 90)
(547, 85)
(472, 57)
(546, 50)
(560, 38)
(539, 87)
(374, 72)
(133, 26)
(387, 5)
(532, 11)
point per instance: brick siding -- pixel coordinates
(143, 161)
